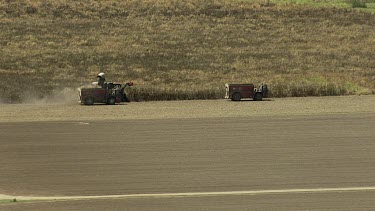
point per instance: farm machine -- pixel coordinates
(236, 92)
(109, 93)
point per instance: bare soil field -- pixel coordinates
(87, 153)
(72, 111)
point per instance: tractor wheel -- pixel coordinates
(258, 96)
(236, 96)
(111, 101)
(89, 101)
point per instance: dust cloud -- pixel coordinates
(62, 96)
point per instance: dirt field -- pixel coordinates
(72, 111)
(323, 146)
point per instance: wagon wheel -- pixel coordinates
(236, 96)
(111, 101)
(89, 101)
(258, 96)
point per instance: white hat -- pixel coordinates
(101, 75)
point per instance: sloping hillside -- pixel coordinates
(185, 49)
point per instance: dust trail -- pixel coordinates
(61, 96)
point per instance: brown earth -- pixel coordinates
(161, 147)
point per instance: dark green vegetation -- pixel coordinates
(3, 201)
(189, 49)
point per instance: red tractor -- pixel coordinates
(236, 92)
(109, 93)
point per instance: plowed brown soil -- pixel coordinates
(190, 146)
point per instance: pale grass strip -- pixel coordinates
(191, 194)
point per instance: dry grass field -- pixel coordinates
(186, 49)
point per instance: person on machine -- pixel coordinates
(101, 80)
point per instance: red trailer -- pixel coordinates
(236, 92)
